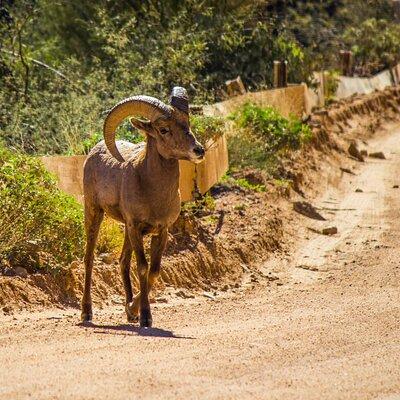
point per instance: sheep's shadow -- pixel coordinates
(124, 329)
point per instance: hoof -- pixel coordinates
(86, 317)
(87, 314)
(131, 315)
(132, 318)
(146, 321)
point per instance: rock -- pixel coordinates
(395, 186)
(358, 190)
(107, 258)
(8, 271)
(347, 170)
(355, 152)
(208, 295)
(184, 294)
(21, 271)
(162, 300)
(7, 310)
(306, 209)
(332, 230)
(378, 154)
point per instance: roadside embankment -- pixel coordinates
(213, 248)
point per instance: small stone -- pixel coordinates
(7, 310)
(358, 190)
(378, 154)
(21, 271)
(395, 186)
(364, 153)
(208, 295)
(8, 271)
(184, 294)
(107, 258)
(355, 152)
(308, 210)
(332, 230)
(347, 170)
(161, 300)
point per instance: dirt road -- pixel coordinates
(328, 328)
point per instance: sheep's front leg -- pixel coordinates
(125, 265)
(158, 244)
(136, 238)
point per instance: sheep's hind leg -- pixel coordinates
(125, 265)
(158, 244)
(93, 218)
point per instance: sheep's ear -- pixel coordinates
(145, 126)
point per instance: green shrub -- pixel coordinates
(243, 183)
(124, 132)
(261, 135)
(375, 44)
(35, 212)
(206, 128)
(111, 237)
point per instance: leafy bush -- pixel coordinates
(375, 44)
(331, 84)
(243, 183)
(261, 135)
(111, 237)
(124, 132)
(206, 128)
(35, 213)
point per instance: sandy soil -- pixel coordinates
(328, 327)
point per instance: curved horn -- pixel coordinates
(145, 106)
(179, 99)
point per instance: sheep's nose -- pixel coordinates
(199, 151)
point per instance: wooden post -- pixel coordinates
(277, 73)
(284, 73)
(396, 9)
(280, 73)
(235, 87)
(346, 62)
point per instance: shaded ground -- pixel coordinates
(328, 327)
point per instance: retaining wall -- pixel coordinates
(69, 171)
(288, 101)
(349, 86)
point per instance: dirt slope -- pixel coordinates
(329, 327)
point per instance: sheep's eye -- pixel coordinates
(164, 131)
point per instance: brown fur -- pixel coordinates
(143, 193)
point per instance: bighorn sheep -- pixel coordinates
(138, 184)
